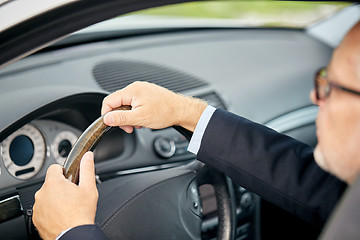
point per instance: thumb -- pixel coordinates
(122, 118)
(87, 171)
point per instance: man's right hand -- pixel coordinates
(61, 204)
(152, 107)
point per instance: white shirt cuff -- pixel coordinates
(62, 233)
(197, 136)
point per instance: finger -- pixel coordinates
(105, 108)
(87, 171)
(115, 100)
(123, 118)
(128, 129)
(54, 171)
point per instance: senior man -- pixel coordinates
(278, 168)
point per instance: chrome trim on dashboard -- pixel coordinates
(11, 198)
(147, 169)
(294, 119)
(10, 208)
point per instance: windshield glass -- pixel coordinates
(295, 14)
(209, 14)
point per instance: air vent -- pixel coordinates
(114, 75)
(213, 99)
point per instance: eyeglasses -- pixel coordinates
(323, 85)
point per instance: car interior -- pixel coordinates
(51, 96)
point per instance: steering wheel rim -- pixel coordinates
(222, 185)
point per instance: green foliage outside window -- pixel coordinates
(269, 13)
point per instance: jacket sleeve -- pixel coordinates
(278, 168)
(88, 232)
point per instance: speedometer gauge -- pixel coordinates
(62, 145)
(23, 152)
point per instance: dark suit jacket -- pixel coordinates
(280, 169)
(88, 232)
(276, 167)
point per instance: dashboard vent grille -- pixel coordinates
(213, 99)
(114, 75)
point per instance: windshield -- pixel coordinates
(297, 14)
(208, 14)
(285, 14)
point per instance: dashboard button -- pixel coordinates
(246, 200)
(164, 147)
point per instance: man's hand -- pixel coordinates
(152, 107)
(60, 204)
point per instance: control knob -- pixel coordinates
(164, 147)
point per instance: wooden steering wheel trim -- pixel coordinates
(86, 142)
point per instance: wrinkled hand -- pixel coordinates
(152, 107)
(61, 204)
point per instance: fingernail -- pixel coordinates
(88, 155)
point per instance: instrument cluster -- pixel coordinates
(25, 151)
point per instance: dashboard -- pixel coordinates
(49, 98)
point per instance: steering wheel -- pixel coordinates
(162, 204)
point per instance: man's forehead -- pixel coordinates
(350, 48)
(355, 38)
